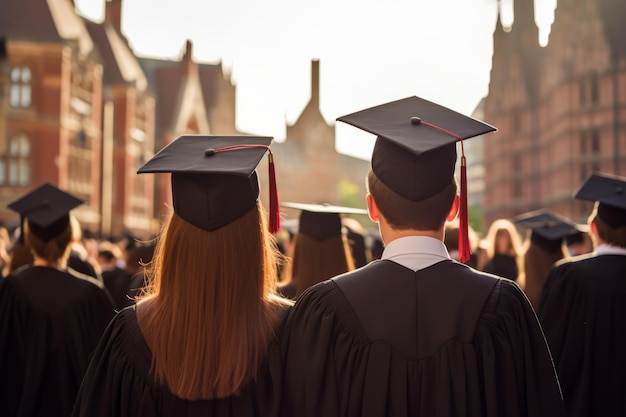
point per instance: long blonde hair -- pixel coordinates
(210, 310)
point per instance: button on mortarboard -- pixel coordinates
(47, 210)
(608, 191)
(548, 229)
(321, 221)
(213, 177)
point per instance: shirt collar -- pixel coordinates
(605, 249)
(416, 252)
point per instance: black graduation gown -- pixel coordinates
(118, 382)
(50, 322)
(82, 266)
(443, 341)
(118, 282)
(583, 312)
(503, 266)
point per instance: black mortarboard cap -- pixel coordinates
(548, 229)
(47, 210)
(610, 193)
(416, 140)
(415, 150)
(214, 181)
(321, 221)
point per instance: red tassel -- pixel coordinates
(274, 225)
(465, 249)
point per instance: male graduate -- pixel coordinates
(416, 333)
(583, 308)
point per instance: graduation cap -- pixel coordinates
(321, 221)
(610, 193)
(47, 210)
(214, 181)
(548, 229)
(415, 150)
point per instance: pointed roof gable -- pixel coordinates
(121, 66)
(170, 79)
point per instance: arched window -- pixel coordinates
(19, 161)
(20, 92)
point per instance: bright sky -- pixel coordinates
(370, 52)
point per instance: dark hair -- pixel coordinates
(53, 250)
(615, 236)
(401, 213)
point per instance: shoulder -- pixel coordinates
(125, 342)
(575, 270)
(84, 278)
(323, 304)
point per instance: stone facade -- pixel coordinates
(560, 109)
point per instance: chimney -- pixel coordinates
(315, 82)
(187, 61)
(113, 14)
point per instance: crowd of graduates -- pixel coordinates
(225, 312)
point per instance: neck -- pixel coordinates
(59, 264)
(389, 234)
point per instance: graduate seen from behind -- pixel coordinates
(201, 341)
(416, 333)
(543, 247)
(320, 249)
(582, 308)
(51, 317)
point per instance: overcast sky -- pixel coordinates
(370, 52)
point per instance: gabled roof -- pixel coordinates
(121, 66)
(43, 21)
(168, 79)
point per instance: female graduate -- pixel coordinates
(201, 342)
(51, 317)
(320, 249)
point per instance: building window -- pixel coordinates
(583, 144)
(582, 91)
(595, 94)
(3, 171)
(595, 142)
(19, 162)
(20, 92)
(517, 172)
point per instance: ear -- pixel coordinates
(593, 228)
(372, 208)
(454, 209)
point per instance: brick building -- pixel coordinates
(79, 109)
(128, 130)
(51, 104)
(560, 109)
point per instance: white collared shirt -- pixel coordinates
(416, 252)
(605, 249)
